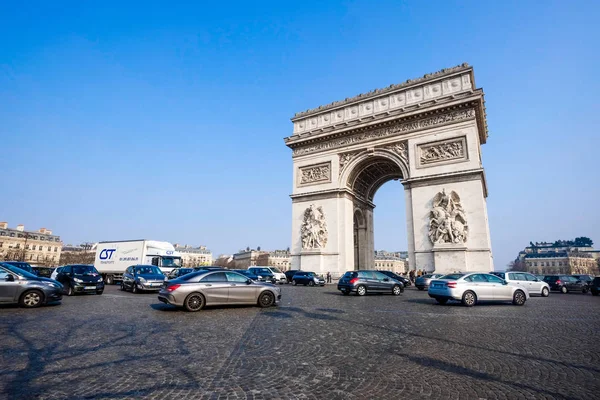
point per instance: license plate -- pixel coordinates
(89, 287)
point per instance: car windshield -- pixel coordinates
(452, 276)
(18, 271)
(500, 274)
(275, 269)
(171, 262)
(84, 270)
(183, 271)
(147, 270)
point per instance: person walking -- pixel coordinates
(328, 277)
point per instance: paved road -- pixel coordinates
(317, 344)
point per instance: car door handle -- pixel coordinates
(208, 284)
(233, 284)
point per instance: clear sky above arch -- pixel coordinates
(122, 120)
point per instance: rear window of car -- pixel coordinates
(350, 274)
(194, 276)
(452, 276)
(550, 278)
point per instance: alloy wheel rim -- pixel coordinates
(396, 290)
(194, 302)
(265, 299)
(31, 299)
(519, 298)
(469, 298)
(361, 290)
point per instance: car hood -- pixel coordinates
(42, 279)
(151, 277)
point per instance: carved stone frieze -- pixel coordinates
(314, 174)
(442, 151)
(345, 158)
(314, 228)
(399, 128)
(447, 219)
(400, 148)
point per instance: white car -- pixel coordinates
(277, 274)
(471, 288)
(55, 272)
(530, 282)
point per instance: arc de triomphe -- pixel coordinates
(425, 132)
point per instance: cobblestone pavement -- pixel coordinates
(317, 344)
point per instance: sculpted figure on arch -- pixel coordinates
(447, 220)
(314, 228)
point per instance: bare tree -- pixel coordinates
(517, 265)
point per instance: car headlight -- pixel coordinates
(53, 284)
(100, 280)
(77, 280)
(141, 279)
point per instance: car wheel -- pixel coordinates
(361, 290)
(441, 301)
(294, 282)
(134, 288)
(194, 302)
(519, 298)
(266, 299)
(31, 299)
(100, 292)
(311, 283)
(545, 292)
(469, 299)
(396, 291)
(122, 286)
(70, 291)
(584, 290)
(563, 290)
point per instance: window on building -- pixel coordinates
(26, 247)
(30, 257)
(1, 244)
(12, 234)
(18, 246)
(55, 249)
(49, 248)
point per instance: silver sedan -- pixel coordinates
(472, 288)
(198, 289)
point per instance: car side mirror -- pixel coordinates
(9, 278)
(248, 281)
(386, 279)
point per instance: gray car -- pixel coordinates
(422, 282)
(26, 289)
(471, 288)
(198, 289)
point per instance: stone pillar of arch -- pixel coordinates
(425, 133)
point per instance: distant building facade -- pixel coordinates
(35, 247)
(560, 257)
(247, 258)
(397, 261)
(194, 256)
(278, 258)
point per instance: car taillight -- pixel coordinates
(558, 282)
(172, 287)
(353, 281)
(451, 285)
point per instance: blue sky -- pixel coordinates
(166, 121)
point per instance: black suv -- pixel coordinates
(587, 279)
(361, 282)
(80, 278)
(565, 283)
(595, 286)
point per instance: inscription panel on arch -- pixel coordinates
(315, 174)
(442, 152)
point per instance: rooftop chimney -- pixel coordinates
(3, 225)
(20, 227)
(42, 230)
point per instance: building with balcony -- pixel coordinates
(194, 256)
(39, 247)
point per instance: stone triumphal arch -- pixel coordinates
(425, 132)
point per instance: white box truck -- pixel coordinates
(113, 258)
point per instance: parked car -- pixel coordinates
(177, 272)
(23, 265)
(196, 290)
(290, 274)
(276, 272)
(595, 286)
(264, 274)
(80, 278)
(422, 282)
(397, 277)
(208, 268)
(18, 286)
(247, 274)
(587, 279)
(46, 272)
(365, 281)
(138, 278)
(565, 284)
(55, 272)
(307, 278)
(472, 288)
(531, 282)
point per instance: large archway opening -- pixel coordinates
(366, 179)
